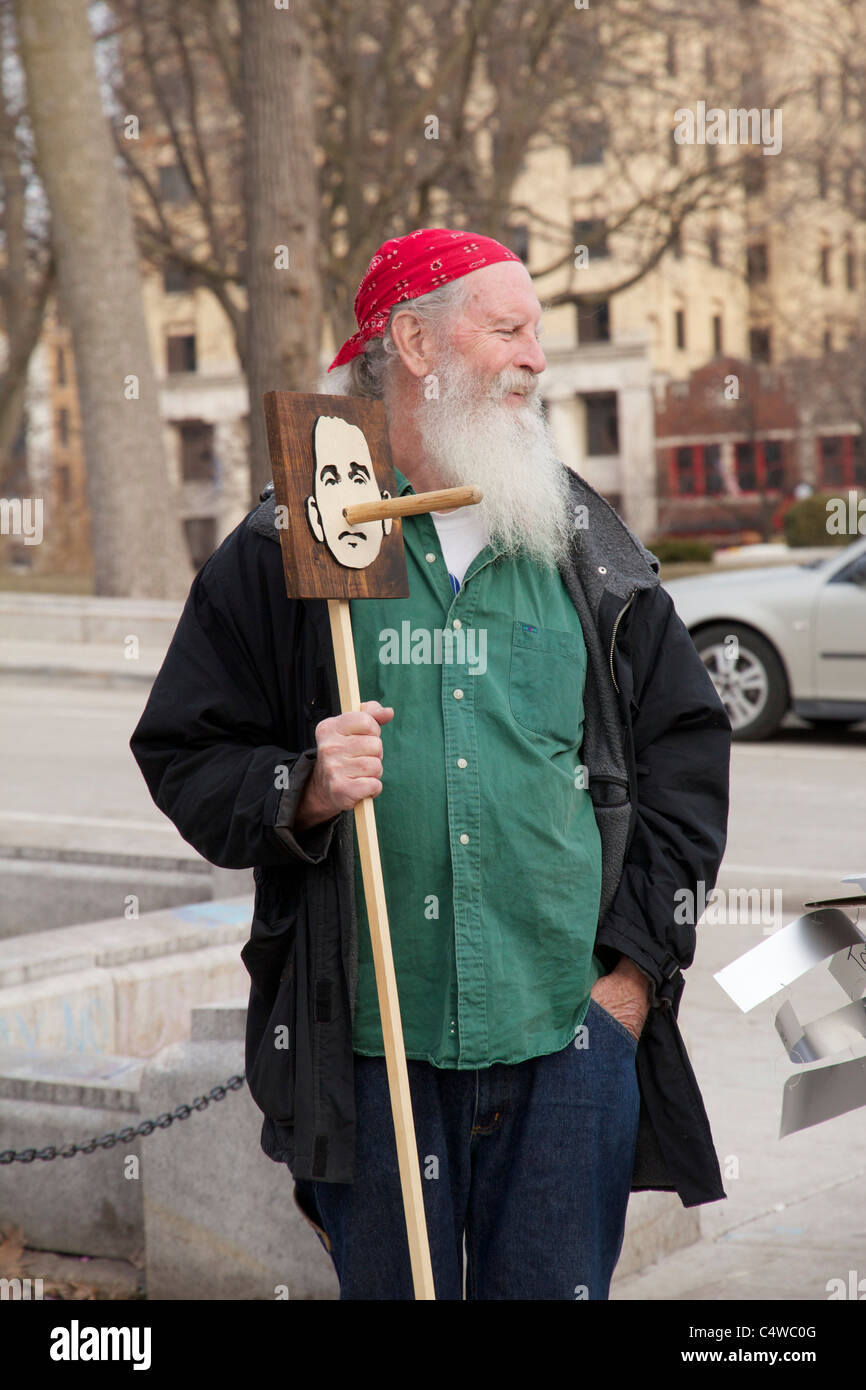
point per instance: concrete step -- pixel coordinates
(121, 986)
(43, 892)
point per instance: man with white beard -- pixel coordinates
(536, 818)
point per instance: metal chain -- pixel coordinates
(109, 1140)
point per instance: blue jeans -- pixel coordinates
(533, 1161)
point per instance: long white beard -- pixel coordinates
(508, 450)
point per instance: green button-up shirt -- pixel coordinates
(490, 851)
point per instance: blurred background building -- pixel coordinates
(704, 301)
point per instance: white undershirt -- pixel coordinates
(462, 533)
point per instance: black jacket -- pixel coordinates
(227, 742)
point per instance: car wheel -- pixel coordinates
(748, 676)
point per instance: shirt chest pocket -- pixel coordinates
(546, 681)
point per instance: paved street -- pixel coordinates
(798, 812)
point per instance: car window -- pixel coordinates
(846, 574)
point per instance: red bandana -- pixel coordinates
(408, 266)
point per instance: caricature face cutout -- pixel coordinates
(343, 477)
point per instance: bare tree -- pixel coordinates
(423, 113)
(280, 201)
(27, 268)
(179, 68)
(137, 543)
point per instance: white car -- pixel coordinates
(790, 637)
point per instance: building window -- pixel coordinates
(717, 335)
(677, 241)
(197, 461)
(841, 461)
(684, 459)
(759, 344)
(602, 424)
(63, 426)
(176, 278)
(821, 179)
(713, 246)
(714, 484)
(832, 460)
(754, 175)
(680, 328)
(827, 340)
(850, 268)
(589, 141)
(758, 466)
(180, 352)
(64, 483)
(819, 91)
(774, 466)
(200, 533)
(757, 263)
(593, 321)
(60, 366)
(673, 149)
(825, 265)
(844, 94)
(709, 63)
(671, 56)
(591, 233)
(173, 186)
(747, 477)
(695, 470)
(517, 240)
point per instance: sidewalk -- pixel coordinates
(794, 1217)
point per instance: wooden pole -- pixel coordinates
(386, 980)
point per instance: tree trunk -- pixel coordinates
(282, 216)
(138, 546)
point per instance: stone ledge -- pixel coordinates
(218, 1215)
(63, 1078)
(224, 1022)
(120, 941)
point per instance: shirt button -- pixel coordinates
(464, 838)
(461, 762)
(602, 569)
(430, 557)
(456, 623)
(458, 694)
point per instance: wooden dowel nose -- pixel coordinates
(447, 499)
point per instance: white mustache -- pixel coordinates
(507, 382)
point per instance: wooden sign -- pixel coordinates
(329, 452)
